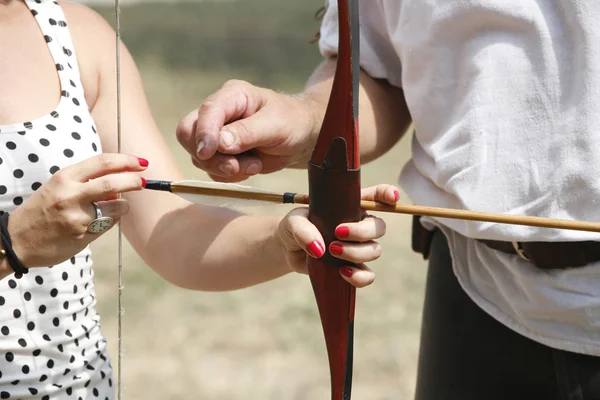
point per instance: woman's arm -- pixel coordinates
(190, 245)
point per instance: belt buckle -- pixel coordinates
(518, 246)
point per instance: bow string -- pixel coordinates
(120, 232)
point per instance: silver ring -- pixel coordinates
(101, 224)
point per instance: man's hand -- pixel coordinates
(243, 130)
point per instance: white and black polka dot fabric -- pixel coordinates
(51, 346)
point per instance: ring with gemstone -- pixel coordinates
(101, 224)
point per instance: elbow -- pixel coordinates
(192, 274)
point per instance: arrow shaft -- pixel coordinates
(295, 198)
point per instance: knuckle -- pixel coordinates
(233, 83)
(105, 162)
(197, 163)
(61, 201)
(208, 105)
(106, 185)
(299, 212)
(182, 130)
(73, 222)
(242, 131)
(135, 182)
(181, 134)
(377, 250)
(133, 161)
(217, 178)
(59, 178)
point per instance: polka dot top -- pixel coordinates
(51, 346)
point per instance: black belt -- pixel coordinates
(551, 255)
(544, 255)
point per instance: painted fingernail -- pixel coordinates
(252, 169)
(201, 145)
(143, 182)
(342, 232)
(226, 169)
(347, 271)
(227, 138)
(316, 249)
(143, 162)
(336, 249)
(396, 195)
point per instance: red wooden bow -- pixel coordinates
(334, 192)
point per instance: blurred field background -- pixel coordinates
(262, 343)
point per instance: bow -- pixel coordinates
(334, 192)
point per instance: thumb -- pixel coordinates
(234, 101)
(263, 129)
(297, 232)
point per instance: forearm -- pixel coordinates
(212, 249)
(383, 114)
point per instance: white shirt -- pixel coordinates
(505, 99)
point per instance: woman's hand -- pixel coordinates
(51, 226)
(356, 240)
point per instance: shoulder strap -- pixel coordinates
(54, 26)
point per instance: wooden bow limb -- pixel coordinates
(334, 198)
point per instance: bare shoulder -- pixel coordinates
(94, 41)
(86, 22)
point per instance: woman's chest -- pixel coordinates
(29, 79)
(45, 122)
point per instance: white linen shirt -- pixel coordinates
(505, 98)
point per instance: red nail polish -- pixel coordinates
(396, 195)
(143, 182)
(143, 162)
(347, 271)
(336, 249)
(342, 232)
(316, 249)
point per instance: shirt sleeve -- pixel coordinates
(378, 56)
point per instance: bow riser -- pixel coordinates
(334, 192)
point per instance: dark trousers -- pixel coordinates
(467, 355)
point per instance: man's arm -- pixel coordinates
(383, 113)
(243, 130)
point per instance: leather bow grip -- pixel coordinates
(334, 199)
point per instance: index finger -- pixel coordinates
(382, 193)
(234, 101)
(104, 164)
